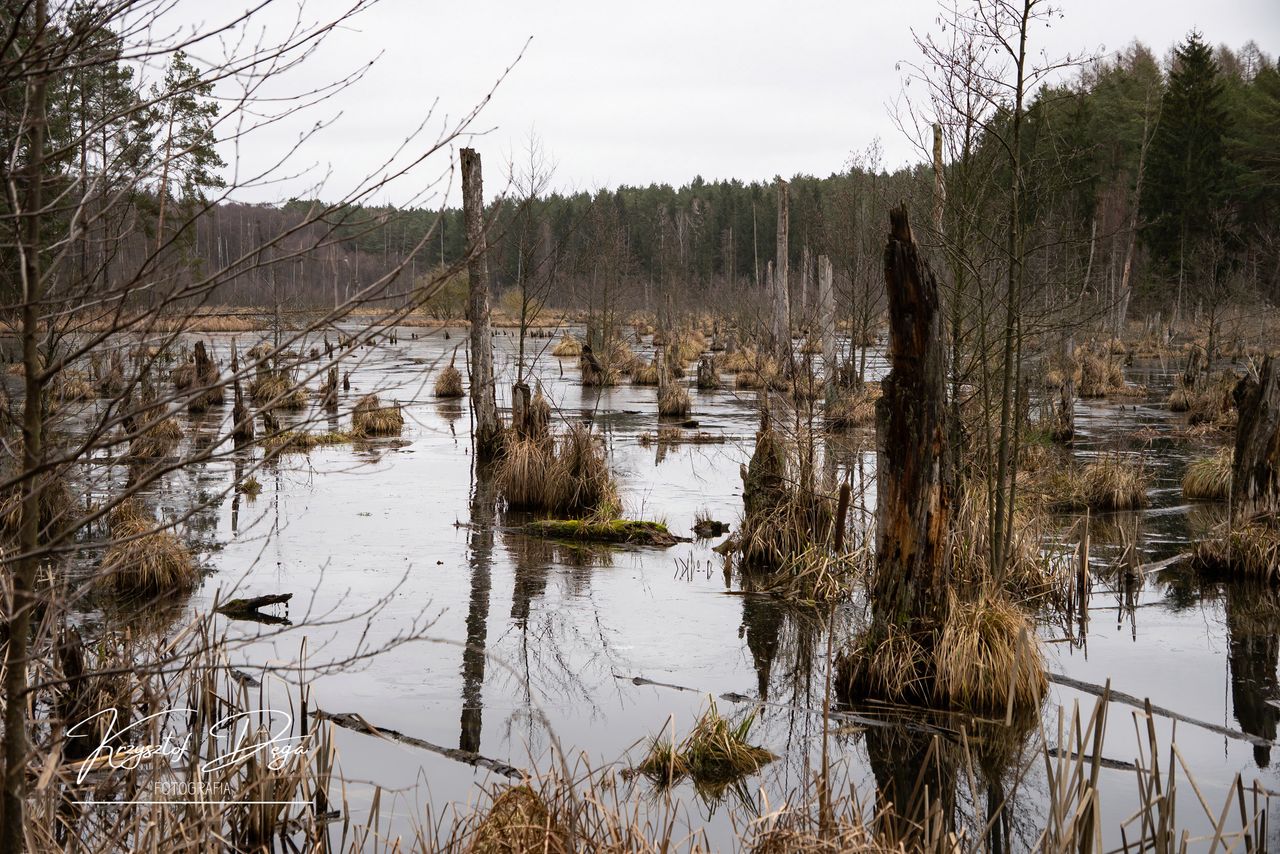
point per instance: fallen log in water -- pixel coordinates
(251, 608)
(1129, 700)
(353, 721)
(618, 531)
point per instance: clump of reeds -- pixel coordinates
(449, 382)
(1100, 375)
(301, 440)
(1113, 482)
(72, 386)
(715, 754)
(780, 518)
(567, 346)
(853, 407)
(156, 441)
(144, 559)
(250, 487)
(1249, 548)
(54, 500)
(644, 373)
(517, 822)
(1209, 477)
(371, 418)
(987, 659)
(818, 574)
(566, 476)
(894, 666)
(272, 388)
(673, 401)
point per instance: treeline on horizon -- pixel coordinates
(1161, 177)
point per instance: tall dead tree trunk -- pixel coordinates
(1255, 469)
(806, 269)
(781, 294)
(484, 402)
(23, 601)
(827, 317)
(913, 509)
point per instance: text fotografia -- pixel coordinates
(265, 736)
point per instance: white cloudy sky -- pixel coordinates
(658, 90)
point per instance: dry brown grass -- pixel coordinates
(1112, 482)
(567, 346)
(714, 755)
(73, 386)
(644, 373)
(518, 822)
(1101, 375)
(895, 666)
(142, 559)
(1251, 548)
(988, 658)
(303, 441)
(567, 476)
(673, 401)
(158, 441)
(1209, 478)
(449, 383)
(272, 389)
(371, 418)
(854, 407)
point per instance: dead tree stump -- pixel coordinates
(913, 511)
(484, 404)
(1255, 468)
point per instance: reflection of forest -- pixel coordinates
(1253, 635)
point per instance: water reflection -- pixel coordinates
(1253, 635)
(480, 560)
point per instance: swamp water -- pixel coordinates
(526, 639)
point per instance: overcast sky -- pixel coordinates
(632, 93)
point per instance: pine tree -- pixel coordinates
(1187, 175)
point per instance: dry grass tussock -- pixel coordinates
(1211, 403)
(673, 401)
(272, 388)
(1035, 575)
(156, 441)
(984, 659)
(714, 755)
(1251, 548)
(1100, 374)
(988, 658)
(371, 418)
(780, 519)
(1112, 482)
(853, 407)
(55, 499)
(567, 346)
(302, 440)
(1209, 477)
(449, 383)
(143, 559)
(819, 575)
(565, 475)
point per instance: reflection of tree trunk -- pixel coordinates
(762, 625)
(1253, 633)
(907, 766)
(480, 549)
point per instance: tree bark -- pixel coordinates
(827, 317)
(912, 469)
(781, 294)
(1255, 469)
(18, 628)
(484, 403)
